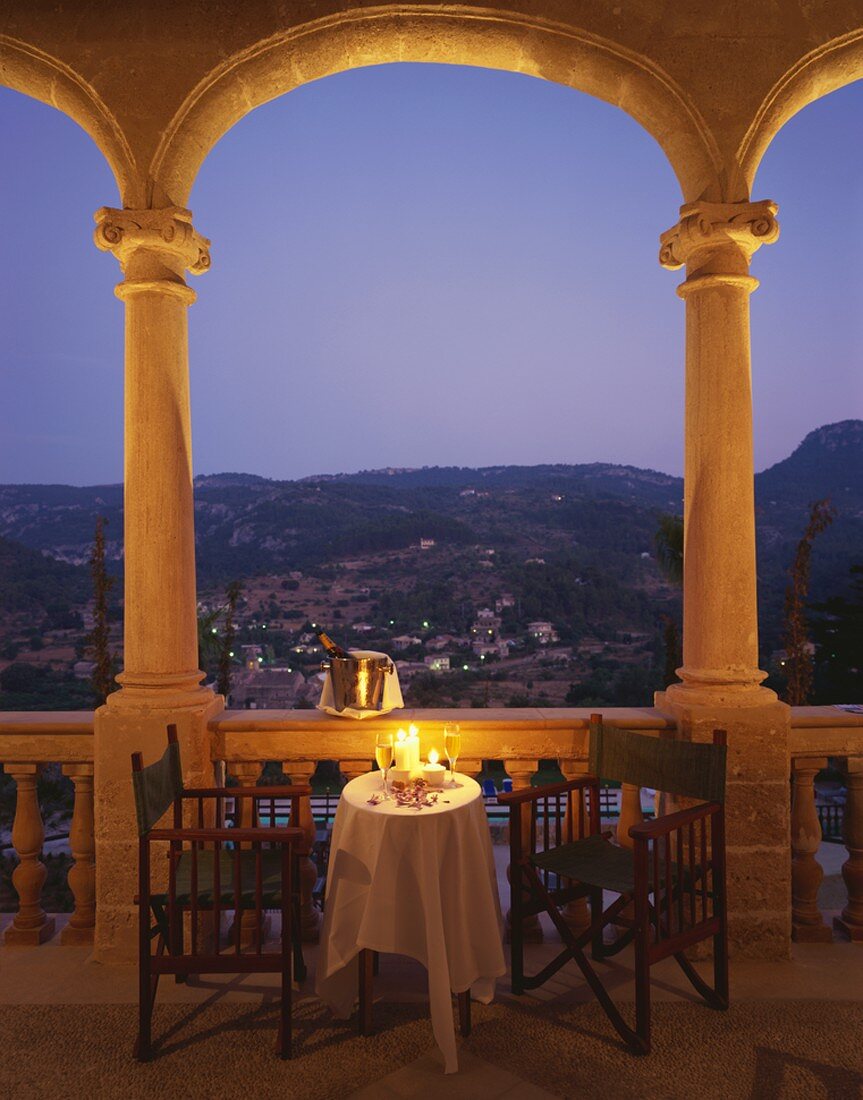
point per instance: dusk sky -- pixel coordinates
(423, 265)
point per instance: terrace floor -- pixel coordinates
(795, 1029)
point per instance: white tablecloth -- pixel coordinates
(413, 882)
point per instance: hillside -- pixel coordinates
(597, 516)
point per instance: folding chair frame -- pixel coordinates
(167, 926)
(695, 878)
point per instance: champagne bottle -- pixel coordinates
(329, 645)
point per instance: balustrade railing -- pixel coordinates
(245, 741)
(813, 743)
(27, 743)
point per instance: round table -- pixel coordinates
(413, 882)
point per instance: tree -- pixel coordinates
(223, 682)
(669, 558)
(799, 660)
(103, 673)
(837, 631)
(669, 548)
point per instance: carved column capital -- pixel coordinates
(154, 248)
(714, 226)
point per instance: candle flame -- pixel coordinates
(401, 735)
(433, 757)
(413, 730)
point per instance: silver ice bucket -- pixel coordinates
(358, 680)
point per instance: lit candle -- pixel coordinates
(402, 752)
(433, 773)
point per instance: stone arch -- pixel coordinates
(831, 66)
(430, 33)
(35, 73)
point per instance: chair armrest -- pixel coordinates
(660, 826)
(528, 794)
(277, 836)
(294, 791)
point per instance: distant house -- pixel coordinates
(438, 663)
(486, 626)
(253, 657)
(266, 689)
(505, 599)
(404, 641)
(534, 561)
(83, 670)
(542, 632)
(426, 544)
(363, 628)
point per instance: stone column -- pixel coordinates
(721, 684)
(31, 925)
(851, 920)
(716, 242)
(82, 873)
(160, 682)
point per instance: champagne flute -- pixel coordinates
(384, 754)
(452, 746)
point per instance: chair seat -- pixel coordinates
(595, 862)
(271, 880)
(592, 861)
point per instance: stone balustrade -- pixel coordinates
(243, 741)
(27, 743)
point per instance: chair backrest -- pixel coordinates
(688, 768)
(156, 786)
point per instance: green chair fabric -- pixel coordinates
(271, 879)
(677, 767)
(594, 861)
(156, 787)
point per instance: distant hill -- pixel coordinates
(30, 582)
(602, 514)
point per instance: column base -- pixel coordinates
(700, 688)
(163, 691)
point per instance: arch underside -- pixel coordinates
(156, 149)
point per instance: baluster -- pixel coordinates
(851, 920)
(82, 873)
(350, 769)
(576, 913)
(247, 773)
(806, 872)
(301, 772)
(31, 925)
(521, 772)
(630, 813)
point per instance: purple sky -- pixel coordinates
(422, 264)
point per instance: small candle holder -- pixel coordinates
(434, 773)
